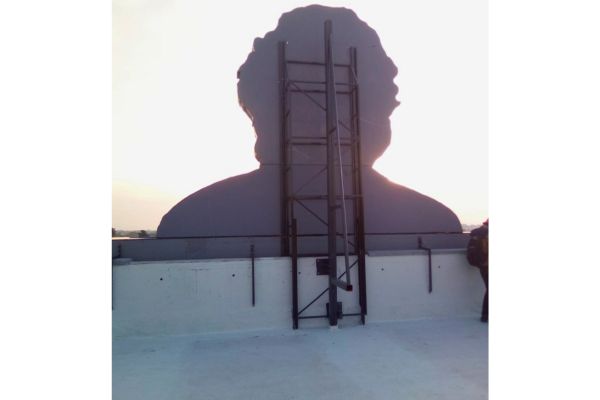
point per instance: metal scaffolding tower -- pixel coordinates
(340, 162)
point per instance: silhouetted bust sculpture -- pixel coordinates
(250, 204)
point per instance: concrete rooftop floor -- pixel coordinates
(425, 359)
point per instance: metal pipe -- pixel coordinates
(357, 211)
(331, 189)
(357, 174)
(348, 285)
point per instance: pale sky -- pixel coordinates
(177, 125)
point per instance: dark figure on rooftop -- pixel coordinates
(481, 234)
(250, 204)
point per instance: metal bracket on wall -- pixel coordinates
(428, 250)
(253, 293)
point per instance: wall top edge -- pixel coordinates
(371, 254)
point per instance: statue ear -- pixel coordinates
(256, 43)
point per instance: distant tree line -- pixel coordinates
(469, 228)
(143, 233)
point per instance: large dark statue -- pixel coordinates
(250, 204)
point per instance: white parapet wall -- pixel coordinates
(202, 296)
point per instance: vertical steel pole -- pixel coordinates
(294, 274)
(331, 188)
(360, 220)
(283, 121)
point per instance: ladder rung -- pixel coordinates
(317, 91)
(317, 141)
(316, 63)
(319, 82)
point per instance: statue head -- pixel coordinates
(302, 29)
